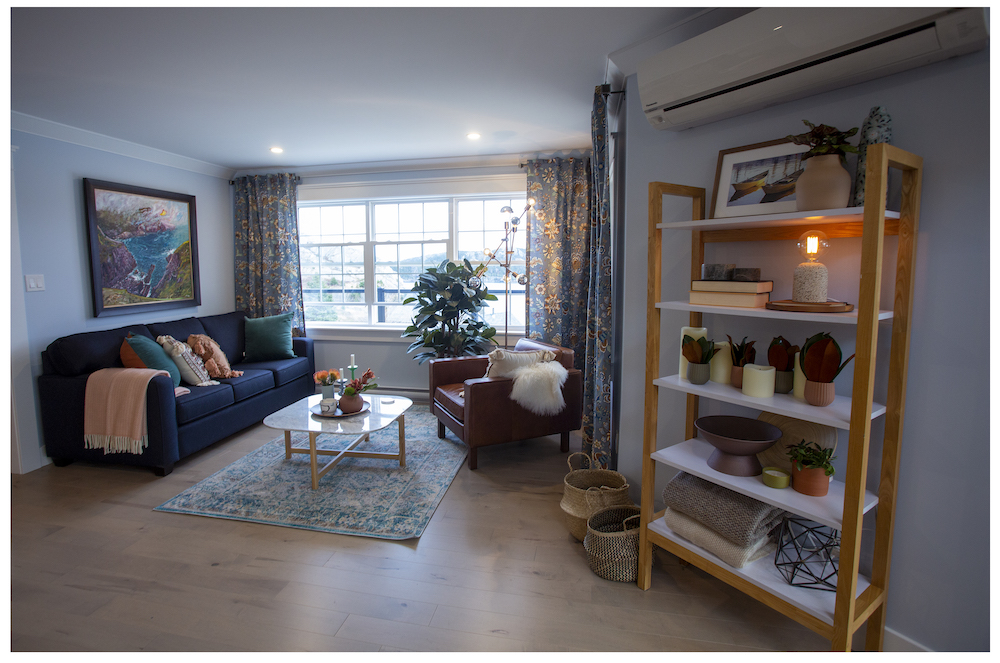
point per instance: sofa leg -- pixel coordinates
(163, 471)
(564, 441)
(473, 458)
(61, 462)
(440, 429)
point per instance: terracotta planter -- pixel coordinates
(810, 481)
(736, 377)
(349, 404)
(819, 394)
(825, 184)
(783, 381)
(698, 373)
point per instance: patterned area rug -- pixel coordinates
(359, 496)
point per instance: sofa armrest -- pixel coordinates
(454, 370)
(489, 411)
(304, 347)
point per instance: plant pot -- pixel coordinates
(328, 391)
(736, 377)
(810, 481)
(698, 373)
(783, 381)
(349, 404)
(819, 394)
(825, 184)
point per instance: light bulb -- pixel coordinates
(812, 244)
(531, 202)
(475, 282)
(506, 209)
(522, 279)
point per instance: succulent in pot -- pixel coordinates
(811, 468)
(820, 360)
(824, 139)
(781, 355)
(743, 353)
(698, 352)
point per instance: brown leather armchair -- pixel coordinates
(480, 411)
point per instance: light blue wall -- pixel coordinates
(939, 589)
(51, 223)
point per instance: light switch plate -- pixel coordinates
(34, 282)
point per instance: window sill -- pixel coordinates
(381, 334)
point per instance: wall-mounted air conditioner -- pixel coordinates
(777, 54)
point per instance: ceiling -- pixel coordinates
(328, 85)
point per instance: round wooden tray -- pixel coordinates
(810, 307)
(794, 431)
(337, 413)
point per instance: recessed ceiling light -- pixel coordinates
(778, 28)
(277, 150)
(473, 136)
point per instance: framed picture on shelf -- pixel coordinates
(143, 248)
(757, 179)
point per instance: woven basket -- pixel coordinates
(587, 490)
(612, 543)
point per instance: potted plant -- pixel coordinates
(327, 381)
(743, 353)
(351, 401)
(446, 320)
(781, 355)
(811, 468)
(698, 352)
(825, 183)
(820, 363)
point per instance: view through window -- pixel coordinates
(359, 259)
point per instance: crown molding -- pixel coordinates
(62, 132)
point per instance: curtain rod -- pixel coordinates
(298, 180)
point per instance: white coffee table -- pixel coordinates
(382, 411)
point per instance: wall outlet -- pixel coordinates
(34, 282)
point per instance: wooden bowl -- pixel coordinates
(737, 440)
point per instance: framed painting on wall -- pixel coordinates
(143, 248)
(757, 179)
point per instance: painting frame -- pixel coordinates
(781, 150)
(116, 213)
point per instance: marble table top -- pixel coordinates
(383, 410)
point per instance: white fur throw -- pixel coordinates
(538, 387)
(502, 361)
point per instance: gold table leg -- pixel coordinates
(312, 460)
(288, 445)
(402, 442)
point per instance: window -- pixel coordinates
(359, 259)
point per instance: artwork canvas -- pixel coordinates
(143, 248)
(757, 179)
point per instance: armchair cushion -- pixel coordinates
(451, 397)
(502, 362)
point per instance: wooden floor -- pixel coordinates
(94, 568)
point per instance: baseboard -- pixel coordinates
(897, 642)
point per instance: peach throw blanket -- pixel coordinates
(114, 416)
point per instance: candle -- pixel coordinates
(758, 381)
(693, 332)
(775, 477)
(722, 364)
(798, 380)
(352, 360)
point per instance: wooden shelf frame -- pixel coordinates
(857, 600)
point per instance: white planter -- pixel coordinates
(825, 184)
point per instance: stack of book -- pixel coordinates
(745, 294)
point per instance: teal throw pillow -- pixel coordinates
(269, 338)
(151, 355)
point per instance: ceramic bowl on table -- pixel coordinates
(737, 440)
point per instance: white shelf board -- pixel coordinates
(766, 576)
(814, 217)
(692, 457)
(836, 414)
(833, 318)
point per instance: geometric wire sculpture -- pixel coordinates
(808, 554)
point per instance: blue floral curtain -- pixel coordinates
(267, 248)
(569, 273)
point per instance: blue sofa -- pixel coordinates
(177, 426)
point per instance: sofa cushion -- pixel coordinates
(268, 338)
(251, 383)
(79, 354)
(179, 329)
(451, 397)
(142, 352)
(284, 370)
(202, 401)
(227, 329)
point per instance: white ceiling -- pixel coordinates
(329, 85)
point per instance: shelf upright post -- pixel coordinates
(654, 258)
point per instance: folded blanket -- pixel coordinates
(114, 409)
(730, 553)
(741, 519)
(538, 387)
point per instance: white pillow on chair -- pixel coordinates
(502, 362)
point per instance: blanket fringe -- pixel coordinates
(116, 444)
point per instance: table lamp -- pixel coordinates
(810, 279)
